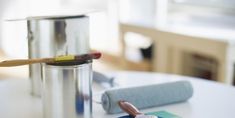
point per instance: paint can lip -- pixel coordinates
(69, 63)
(63, 14)
(55, 17)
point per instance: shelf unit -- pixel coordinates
(170, 46)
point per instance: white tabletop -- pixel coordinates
(210, 99)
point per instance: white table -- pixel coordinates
(210, 99)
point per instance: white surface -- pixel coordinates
(218, 34)
(210, 99)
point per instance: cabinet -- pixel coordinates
(171, 46)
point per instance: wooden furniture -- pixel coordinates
(172, 45)
(210, 99)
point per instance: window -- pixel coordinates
(220, 4)
(202, 13)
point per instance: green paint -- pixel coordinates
(163, 114)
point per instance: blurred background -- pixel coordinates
(186, 37)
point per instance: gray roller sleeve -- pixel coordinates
(147, 96)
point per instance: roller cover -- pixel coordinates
(147, 96)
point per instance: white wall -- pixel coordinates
(14, 38)
(3, 4)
